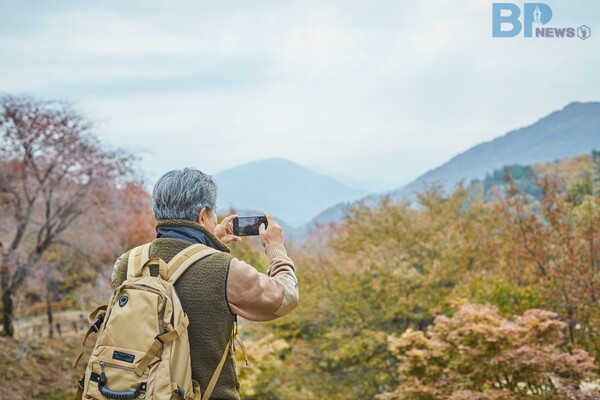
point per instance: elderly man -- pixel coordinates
(216, 289)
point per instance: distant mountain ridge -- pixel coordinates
(566, 133)
(303, 194)
(569, 132)
(288, 190)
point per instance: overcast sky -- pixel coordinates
(378, 91)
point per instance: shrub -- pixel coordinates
(478, 354)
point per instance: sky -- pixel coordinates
(373, 92)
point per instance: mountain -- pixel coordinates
(283, 188)
(566, 133)
(370, 187)
(573, 171)
(569, 132)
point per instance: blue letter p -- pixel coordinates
(539, 13)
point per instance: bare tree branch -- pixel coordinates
(55, 171)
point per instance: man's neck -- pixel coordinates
(189, 231)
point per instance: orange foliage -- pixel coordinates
(479, 354)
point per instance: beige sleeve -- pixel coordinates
(259, 297)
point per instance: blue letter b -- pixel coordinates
(498, 19)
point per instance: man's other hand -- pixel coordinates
(224, 231)
(272, 233)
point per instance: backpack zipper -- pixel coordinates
(111, 365)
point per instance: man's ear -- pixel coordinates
(202, 215)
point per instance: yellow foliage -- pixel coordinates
(264, 360)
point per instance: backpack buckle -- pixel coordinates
(165, 331)
(180, 392)
(81, 382)
(97, 322)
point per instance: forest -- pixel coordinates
(487, 292)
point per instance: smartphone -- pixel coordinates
(248, 226)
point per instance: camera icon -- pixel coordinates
(584, 32)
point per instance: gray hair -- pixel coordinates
(181, 194)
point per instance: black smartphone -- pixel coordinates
(248, 226)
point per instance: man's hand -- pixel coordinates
(224, 231)
(272, 234)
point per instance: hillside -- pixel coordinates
(39, 369)
(526, 178)
(566, 133)
(569, 132)
(285, 189)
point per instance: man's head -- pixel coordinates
(186, 194)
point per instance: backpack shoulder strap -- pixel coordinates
(182, 260)
(137, 258)
(217, 373)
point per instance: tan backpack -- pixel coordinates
(142, 350)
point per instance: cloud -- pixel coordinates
(363, 88)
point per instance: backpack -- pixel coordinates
(142, 350)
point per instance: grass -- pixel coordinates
(39, 369)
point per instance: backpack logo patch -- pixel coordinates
(118, 355)
(123, 300)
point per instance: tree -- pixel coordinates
(393, 267)
(523, 176)
(259, 377)
(53, 170)
(477, 354)
(385, 269)
(552, 245)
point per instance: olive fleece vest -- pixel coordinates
(202, 290)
